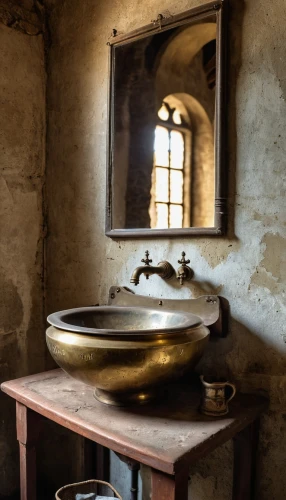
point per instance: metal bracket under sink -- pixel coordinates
(212, 309)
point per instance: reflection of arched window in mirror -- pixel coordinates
(185, 76)
(176, 67)
(170, 205)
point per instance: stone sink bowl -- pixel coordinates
(125, 353)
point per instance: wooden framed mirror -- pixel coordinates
(166, 172)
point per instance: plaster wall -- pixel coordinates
(246, 267)
(22, 159)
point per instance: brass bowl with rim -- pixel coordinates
(125, 353)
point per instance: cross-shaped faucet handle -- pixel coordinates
(147, 260)
(183, 261)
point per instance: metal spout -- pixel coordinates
(147, 270)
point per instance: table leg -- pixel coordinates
(85, 460)
(134, 467)
(102, 464)
(167, 487)
(245, 445)
(28, 428)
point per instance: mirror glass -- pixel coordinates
(162, 143)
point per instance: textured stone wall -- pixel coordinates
(245, 267)
(22, 160)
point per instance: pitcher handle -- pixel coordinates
(233, 391)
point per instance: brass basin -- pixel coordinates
(126, 353)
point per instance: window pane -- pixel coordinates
(162, 186)
(162, 215)
(177, 149)
(176, 186)
(163, 113)
(177, 117)
(161, 146)
(176, 216)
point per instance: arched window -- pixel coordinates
(170, 192)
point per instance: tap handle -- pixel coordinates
(184, 273)
(183, 261)
(147, 260)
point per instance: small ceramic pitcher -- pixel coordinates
(214, 401)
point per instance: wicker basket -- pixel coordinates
(69, 492)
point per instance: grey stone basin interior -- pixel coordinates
(107, 320)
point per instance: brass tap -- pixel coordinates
(184, 272)
(163, 269)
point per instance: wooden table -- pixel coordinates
(167, 436)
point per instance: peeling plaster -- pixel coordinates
(271, 273)
(216, 252)
(262, 278)
(274, 260)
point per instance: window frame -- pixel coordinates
(186, 131)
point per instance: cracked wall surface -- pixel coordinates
(22, 155)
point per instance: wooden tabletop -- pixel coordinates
(165, 435)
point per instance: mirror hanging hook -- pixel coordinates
(158, 21)
(166, 14)
(113, 34)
